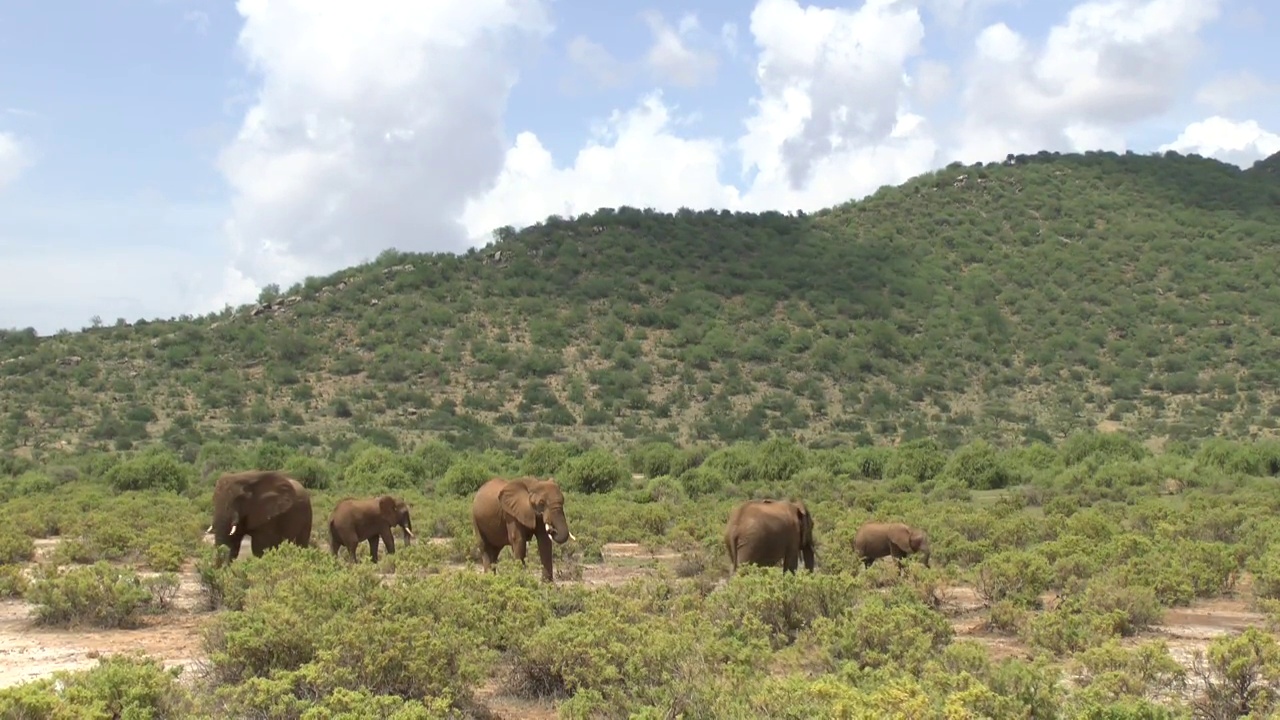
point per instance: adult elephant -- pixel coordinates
(356, 520)
(509, 512)
(875, 540)
(766, 532)
(268, 506)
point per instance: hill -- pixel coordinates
(1010, 301)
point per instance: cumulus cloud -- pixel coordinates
(635, 159)
(1239, 143)
(1109, 64)
(373, 125)
(14, 159)
(378, 128)
(831, 82)
(671, 59)
(831, 121)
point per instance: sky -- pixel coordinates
(161, 158)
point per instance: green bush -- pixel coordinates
(98, 595)
(594, 471)
(156, 469)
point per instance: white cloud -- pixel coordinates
(347, 150)
(597, 63)
(831, 122)
(14, 159)
(831, 82)
(671, 60)
(373, 125)
(1110, 64)
(1226, 91)
(634, 160)
(1239, 143)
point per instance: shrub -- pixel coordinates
(465, 477)
(98, 595)
(594, 471)
(15, 547)
(153, 470)
(119, 686)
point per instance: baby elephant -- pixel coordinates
(768, 532)
(354, 520)
(875, 540)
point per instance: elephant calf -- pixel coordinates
(875, 540)
(354, 520)
(766, 532)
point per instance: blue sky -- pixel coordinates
(161, 157)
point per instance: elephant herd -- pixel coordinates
(272, 508)
(766, 532)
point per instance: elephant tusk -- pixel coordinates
(210, 530)
(550, 530)
(232, 531)
(408, 532)
(572, 536)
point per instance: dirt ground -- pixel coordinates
(28, 652)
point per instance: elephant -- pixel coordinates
(268, 506)
(875, 540)
(764, 532)
(355, 520)
(508, 512)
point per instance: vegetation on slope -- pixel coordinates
(1013, 301)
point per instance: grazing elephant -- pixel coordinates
(764, 532)
(874, 540)
(508, 512)
(353, 521)
(268, 506)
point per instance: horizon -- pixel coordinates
(185, 154)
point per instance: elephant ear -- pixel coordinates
(806, 520)
(268, 496)
(387, 507)
(515, 503)
(917, 539)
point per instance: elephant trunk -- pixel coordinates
(407, 526)
(557, 526)
(224, 525)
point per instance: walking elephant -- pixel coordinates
(268, 506)
(509, 512)
(764, 532)
(355, 520)
(875, 540)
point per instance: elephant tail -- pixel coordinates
(333, 538)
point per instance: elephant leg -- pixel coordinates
(389, 540)
(233, 545)
(544, 554)
(261, 542)
(489, 557)
(518, 549)
(866, 562)
(373, 548)
(791, 561)
(351, 549)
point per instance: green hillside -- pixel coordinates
(1012, 301)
